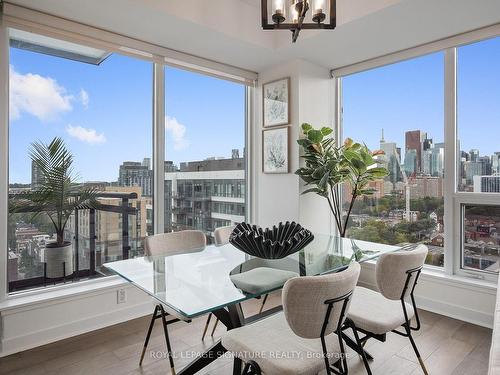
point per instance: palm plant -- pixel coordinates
(328, 167)
(58, 194)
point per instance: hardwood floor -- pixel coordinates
(448, 347)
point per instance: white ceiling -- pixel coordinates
(229, 31)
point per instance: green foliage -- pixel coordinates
(328, 166)
(58, 194)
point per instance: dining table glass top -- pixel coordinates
(204, 280)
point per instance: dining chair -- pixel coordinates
(375, 314)
(221, 237)
(306, 336)
(173, 243)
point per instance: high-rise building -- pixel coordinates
(410, 162)
(146, 162)
(391, 158)
(136, 174)
(36, 176)
(495, 163)
(426, 186)
(486, 184)
(414, 140)
(205, 195)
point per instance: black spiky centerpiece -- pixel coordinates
(270, 243)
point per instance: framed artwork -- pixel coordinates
(276, 102)
(275, 150)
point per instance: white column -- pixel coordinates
(451, 215)
(159, 147)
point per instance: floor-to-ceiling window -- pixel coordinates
(398, 109)
(478, 154)
(205, 168)
(99, 105)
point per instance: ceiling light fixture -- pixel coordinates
(295, 17)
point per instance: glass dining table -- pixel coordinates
(216, 279)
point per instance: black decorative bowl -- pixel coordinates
(275, 243)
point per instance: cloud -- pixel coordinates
(39, 96)
(85, 134)
(84, 98)
(178, 133)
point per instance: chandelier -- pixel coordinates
(293, 15)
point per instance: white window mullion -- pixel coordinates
(4, 154)
(159, 147)
(450, 174)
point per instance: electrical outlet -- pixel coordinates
(121, 296)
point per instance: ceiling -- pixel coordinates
(229, 31)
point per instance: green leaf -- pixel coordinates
(315, 136)
(326, 131)
(306, 127)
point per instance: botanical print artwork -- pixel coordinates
(275, 150)
(276, 103)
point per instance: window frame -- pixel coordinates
(453, 198)
(160, 58)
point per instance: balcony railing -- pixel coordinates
(87, 243)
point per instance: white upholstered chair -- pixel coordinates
(172, 243)
(309, 329)
(374, 314)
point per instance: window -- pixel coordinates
(478, 154)
(205, 152)
(99, 104)
(480, 237)
(399, 109)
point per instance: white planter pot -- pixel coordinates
(55, 257)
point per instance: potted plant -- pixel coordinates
(328, 167)
(57, 195)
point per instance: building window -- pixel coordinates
(99, 104)
(399, 109)
(205, 142)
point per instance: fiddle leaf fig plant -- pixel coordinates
(327, 167)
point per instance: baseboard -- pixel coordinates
(74, 328)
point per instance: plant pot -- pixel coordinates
(59, 260)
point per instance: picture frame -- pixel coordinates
(276, 103)
(275, 150)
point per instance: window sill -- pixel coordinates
(57, 293)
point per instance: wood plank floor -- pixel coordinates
(448, 346)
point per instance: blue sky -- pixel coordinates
(104, 113)
(409, 96)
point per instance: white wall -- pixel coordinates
(277, 197)
(68, 312)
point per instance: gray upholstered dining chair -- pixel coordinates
(172, 243)
(308, 330)
(375, 314)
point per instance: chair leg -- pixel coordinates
(146, 342)
(237, 366)
(215, 327)
(263, 303)
(169, 348)
(360, 344)
(206, 326)
(420, 360)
